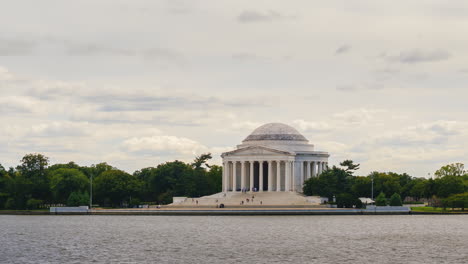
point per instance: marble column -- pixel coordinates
(242, 175)
(224, 177)
(234, 177)
(278, 176)
(270, 175)
(260, 176)
(319, 168)
(309, 174)
(302, 173)
(314, 169)
(287, 180)
(293, 176)
(251, 174)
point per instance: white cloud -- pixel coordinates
(6, 75)
(311, 126)
(358, 116)
(18, 104)
(60, 129)
(164, 144)
(249, 16)
(420, 56)
(78, 95)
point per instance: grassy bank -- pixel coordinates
(437, 210)
(25, 212)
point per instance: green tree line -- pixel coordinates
(34, 183)
(450, 185)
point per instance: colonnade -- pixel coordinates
(268, 175)
(313, 168)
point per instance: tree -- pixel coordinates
(456, 169)
(33, 164)
(66, 181)
(145, 176)
(361, 186)
(457, 201)
(346, 200)
(448, 185)
(200, 160)
(115, 187)
(331, 182)
(395, 200)
(33, 168)
(2, 170)
(388, 183)
(350, 166)
(418, 189)
(32, 204)
(69, 165)
(381, 200)
(78, 199)
(215, 178)
(20, 189)
(312, 186)
(4, 182)
(172, 179)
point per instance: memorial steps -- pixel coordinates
(261, 199)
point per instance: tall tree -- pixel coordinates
(328, 184)
(449, 185)
(350, 166)
(201, 160)
(456, 169)
(115, 187)
(33, 165)
(33, 168)
(66, 181)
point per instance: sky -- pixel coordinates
(136, 83)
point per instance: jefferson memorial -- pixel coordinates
(274, 158)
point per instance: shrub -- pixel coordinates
(358, 203)
(78, 199)
(395, 200)
(33, 203)
(134, 202)
(10, 204)
(457, 201)
(345, 200)
(381, 200)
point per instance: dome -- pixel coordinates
(275, 131)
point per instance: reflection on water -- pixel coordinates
(234, 239)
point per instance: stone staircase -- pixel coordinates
(260, 199)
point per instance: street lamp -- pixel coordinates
(372, 189)
(91, 191)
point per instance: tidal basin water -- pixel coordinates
(234, 239)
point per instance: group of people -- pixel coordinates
(245, 190)
(247, 200)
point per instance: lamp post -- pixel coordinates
(91, 191)
(372, 189)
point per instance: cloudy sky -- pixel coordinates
(136, 83)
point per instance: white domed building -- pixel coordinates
(274, 158)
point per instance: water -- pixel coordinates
(234, 239)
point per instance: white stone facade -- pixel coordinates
(275, 157)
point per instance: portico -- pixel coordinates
(274, 158)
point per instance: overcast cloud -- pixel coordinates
(137, 83)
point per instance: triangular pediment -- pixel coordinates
(256, 150)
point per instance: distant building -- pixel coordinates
(274, 157)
